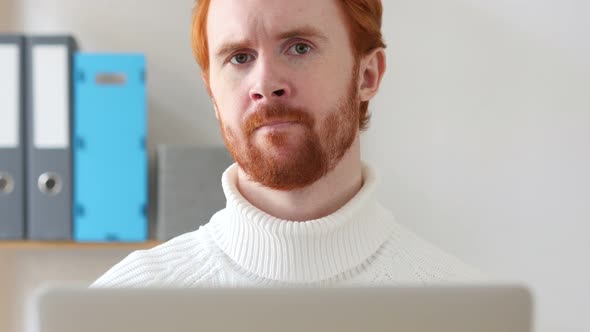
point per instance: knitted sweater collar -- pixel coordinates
(301, 252)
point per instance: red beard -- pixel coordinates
(311, 155)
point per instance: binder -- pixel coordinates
(49, 153)
(12, 176)
(110, 158)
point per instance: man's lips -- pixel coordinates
(277, 124)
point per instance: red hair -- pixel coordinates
(364, 25)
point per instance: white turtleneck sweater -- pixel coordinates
(361, 244)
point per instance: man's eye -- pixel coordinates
(299, 49)
(240, 59)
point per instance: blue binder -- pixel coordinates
(110, 159)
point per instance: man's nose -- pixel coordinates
(270, 83)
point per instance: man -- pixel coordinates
(290, 81)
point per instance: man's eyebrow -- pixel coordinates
(230, 47)
(305, 32)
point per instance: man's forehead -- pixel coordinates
(247, 19)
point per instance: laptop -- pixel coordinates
(448, 308)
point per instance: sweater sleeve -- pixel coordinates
(144, 268)
(138, 269)
(432, 264)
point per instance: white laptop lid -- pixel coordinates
(450, 308)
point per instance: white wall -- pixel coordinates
(7, 22)
(25, 268)
(479, 132)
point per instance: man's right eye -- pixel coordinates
(241, 58)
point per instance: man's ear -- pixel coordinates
(372, 68)
(206, 81)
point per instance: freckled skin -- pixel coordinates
(270, 79)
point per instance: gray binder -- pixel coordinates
(188, 187)
(49, 153)
(12, 184)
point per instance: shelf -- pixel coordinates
(76, 245)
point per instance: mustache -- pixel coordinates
(269, 113)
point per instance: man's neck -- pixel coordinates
(318, 200)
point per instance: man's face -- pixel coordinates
(284, 82)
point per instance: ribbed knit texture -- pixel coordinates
(361, 244)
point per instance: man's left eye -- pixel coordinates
(299, 49)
